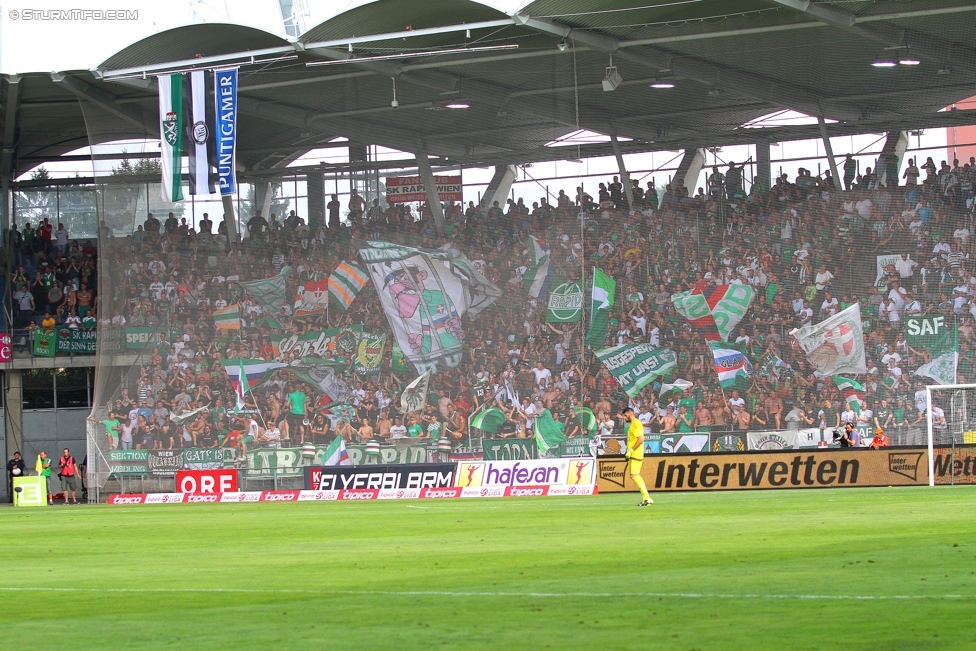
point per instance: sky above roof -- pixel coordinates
(45, 36)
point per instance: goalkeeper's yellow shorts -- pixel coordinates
(634, 466)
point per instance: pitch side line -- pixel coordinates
(446, 593)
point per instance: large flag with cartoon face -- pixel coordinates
(424, 294)
(835, 345)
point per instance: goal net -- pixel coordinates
(951, 424)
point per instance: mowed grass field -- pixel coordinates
(826, 569)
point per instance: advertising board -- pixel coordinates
(387, 477)
(540, 472)
(206, 481)
(764, 470)
(955, 465)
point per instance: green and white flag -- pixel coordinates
(548, 432)
(536, 279)
(634, 366)
(270, 295)
(942, 369)
(601, 302)
(565, 303)
(171, 135)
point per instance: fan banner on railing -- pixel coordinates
(201, 148)
(225, 93)
(836, 344)
(714, 311)
(171, 135)
(424, 294)
(634, 366)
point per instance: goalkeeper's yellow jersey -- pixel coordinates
(634, 432)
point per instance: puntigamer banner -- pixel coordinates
(820, 469)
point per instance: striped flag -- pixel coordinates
(200, 147)
(346, 282)
(335, 454)
(171, 135)
(228, 318)
(536, 279)
(251, 370)
(732, 366)
(852, 391)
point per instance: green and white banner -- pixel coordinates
(45, 343)
(290, 462)
(565, 303)
(634, 366)
(171, 135)
(398, 362)
(935, 333)
(77, 342)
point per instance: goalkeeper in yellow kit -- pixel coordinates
(635, 453)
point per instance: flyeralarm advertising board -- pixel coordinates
(388, 477)
(764, 470)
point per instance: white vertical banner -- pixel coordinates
(200, 146)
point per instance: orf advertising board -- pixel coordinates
(428, 475)
(207, 481)
(764, 470)
(407, 189)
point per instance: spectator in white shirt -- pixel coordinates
(905, 266)
(823, 278)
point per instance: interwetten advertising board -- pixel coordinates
(955, 465)
(764, 470)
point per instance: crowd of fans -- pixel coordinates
(808, 249)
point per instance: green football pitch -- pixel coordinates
(852, 569)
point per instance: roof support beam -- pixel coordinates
(430, 185)
(748, 84)
(888, 35)
(107, 101)
(7, 144)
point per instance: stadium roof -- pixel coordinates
(528, 79)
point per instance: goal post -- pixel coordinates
(957, 404)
